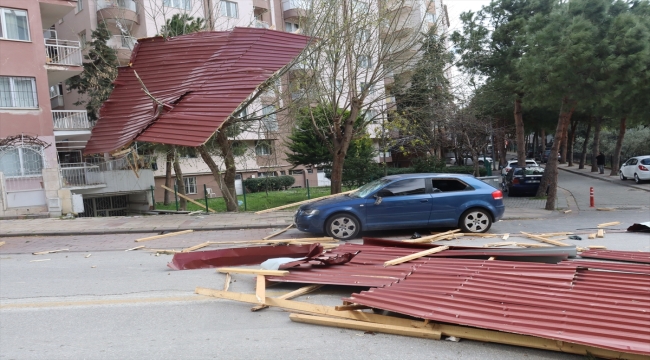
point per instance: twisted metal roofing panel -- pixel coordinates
(201, 78)
(631, 256)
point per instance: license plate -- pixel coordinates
(533, 181)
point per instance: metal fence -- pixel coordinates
(63, 52)
(125, 163)
(70, 120)
(609, 159)
(80, 175)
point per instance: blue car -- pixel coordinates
(406, 201)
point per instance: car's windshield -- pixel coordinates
(369, 188)
(530, 171)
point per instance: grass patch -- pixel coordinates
(539, 197)
(257, 201)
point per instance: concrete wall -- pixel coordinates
(122, 181)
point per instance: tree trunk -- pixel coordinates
(583, 157)
(231, 170)
(617, 151)
(564, 144)
(543, 141)
(549, 180)
(519, 126)
(168, 175)
(227, 196)
(571, 141)
(179, 181)
(596, 145)
(535, 144)
(337, 172)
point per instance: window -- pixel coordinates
(404, 188)
(310, 171)
(363, 36)
(229, 9)
(180, 4)
(371, 116)
(14, 24)
(444, 185)
(190, 185)
(82, 39)
(290, 27)
(80, 6)
(363, 86)
(18, 92)
(19, 162)
(283, 172)
(296, 172)
(267, 174)
(430, 17)
(339, 85)
(263, 148)
(269, 120)
(365, 61)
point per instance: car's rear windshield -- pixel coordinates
(645, 161)
(530, 171)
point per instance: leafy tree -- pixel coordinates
(100, 70)
(181, 24)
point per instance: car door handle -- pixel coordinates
(424, 200)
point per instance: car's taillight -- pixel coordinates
(643, 168)
(515, 181)
(497, 195)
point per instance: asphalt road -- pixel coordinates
(129, 305)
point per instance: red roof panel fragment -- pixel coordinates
(631, 256)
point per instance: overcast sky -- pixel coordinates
(456, 7)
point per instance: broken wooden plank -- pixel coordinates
(196, 247)
(597, 247)
(252, 271)
(164, 235)
(545, 240)
(87, 256)
(566, 211)
(49, 252)
(2, 243)
(226, 285)
(528, 245)
(592, 236)
(40, 260)
(260, 289)
(491, 258)
(503, 243)
(164, 251)
(484, 235)
(135, 248)
(609, 224)
(350, 307)
(555, 234)
(187, 198)
(417, 255)
(278, 232)
(605, 209)
(431, 238)
(303, 202)
(505, 236)
(366, 326)
(291, 295)
(600, 233)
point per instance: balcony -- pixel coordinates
(81, 175)
(294, 8)
(261, 24)
(67, 120)
(123, 45)
(63, 58)
(112, 11)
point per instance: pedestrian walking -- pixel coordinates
(600, 161)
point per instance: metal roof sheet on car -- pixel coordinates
(201, 79)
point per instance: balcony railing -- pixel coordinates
(63, 52)
(294, 4)
(117, 4)
(81, 175)
(261, 24)
(71, 120)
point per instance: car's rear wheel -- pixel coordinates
(475, 221)
(620, 175)
(636, 179)
(342, 226)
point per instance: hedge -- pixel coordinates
(272, 183)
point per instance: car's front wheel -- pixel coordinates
(475, 221)
(342, 226)
(620, 175)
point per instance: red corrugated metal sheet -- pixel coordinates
(201, 78)
(631, 256)
(612, 266)
(597, 308)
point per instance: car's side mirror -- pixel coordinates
(378, 199)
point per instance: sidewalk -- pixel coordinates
(604, 177)
(516, 208)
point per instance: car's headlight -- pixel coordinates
(310, 212)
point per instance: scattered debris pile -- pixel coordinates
(538, 297)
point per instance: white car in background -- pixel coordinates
(529, 162)
(637, 168)
(469, 161)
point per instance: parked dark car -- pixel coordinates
(406, 201)
(523, 180)
(546, 154)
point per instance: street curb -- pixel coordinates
(603, 179)
(144, 231)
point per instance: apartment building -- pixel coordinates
(260, 146)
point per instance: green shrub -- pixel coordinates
(429, 164)
(271, 183)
